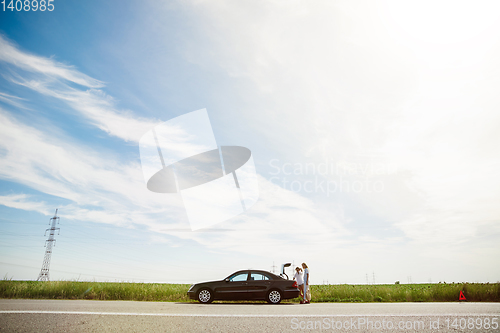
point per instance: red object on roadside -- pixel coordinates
(461, 297)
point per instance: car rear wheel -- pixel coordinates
(274, 297)
(205, 296)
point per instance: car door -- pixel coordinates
(235, 287)
(259, 284)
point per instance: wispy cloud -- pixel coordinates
(22, 201)
(12, 100)
(95, 185)
(95, 105)
(11, 54)
(51, 78)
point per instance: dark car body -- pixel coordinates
(246, 285)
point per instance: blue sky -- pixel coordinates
(374, 137)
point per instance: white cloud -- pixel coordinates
(49, 67)
(53, 79)
(282, 222)
(20, 201)
(93, 104)
(12, 100)
(99, 187)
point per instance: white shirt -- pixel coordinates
(298, 278)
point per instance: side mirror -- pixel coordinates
(227, 280)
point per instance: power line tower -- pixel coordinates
(44, 273)
(273, 267)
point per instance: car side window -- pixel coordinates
(239, 277)
(259, 277)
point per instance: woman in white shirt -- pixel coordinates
(300, 281)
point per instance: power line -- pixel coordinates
(94, 275)
(44, 272)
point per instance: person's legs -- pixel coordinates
(301, 288)
(305, 291)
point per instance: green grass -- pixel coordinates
(94, 290)
(442, 292)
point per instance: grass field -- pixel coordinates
(441, 292)
(94, 290)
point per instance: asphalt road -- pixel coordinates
(125, 316)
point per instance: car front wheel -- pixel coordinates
(205, 296)
(274, 297)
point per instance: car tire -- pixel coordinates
(205, 296)
(273, 296)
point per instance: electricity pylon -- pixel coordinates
(44, 273)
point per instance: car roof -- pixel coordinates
(256, 271)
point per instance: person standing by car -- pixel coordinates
(306, 283)
(300, 280)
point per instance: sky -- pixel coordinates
(373, 127)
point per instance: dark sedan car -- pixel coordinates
(246, 285)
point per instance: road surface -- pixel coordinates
(125, 316)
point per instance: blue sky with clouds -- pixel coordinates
(373, 128)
